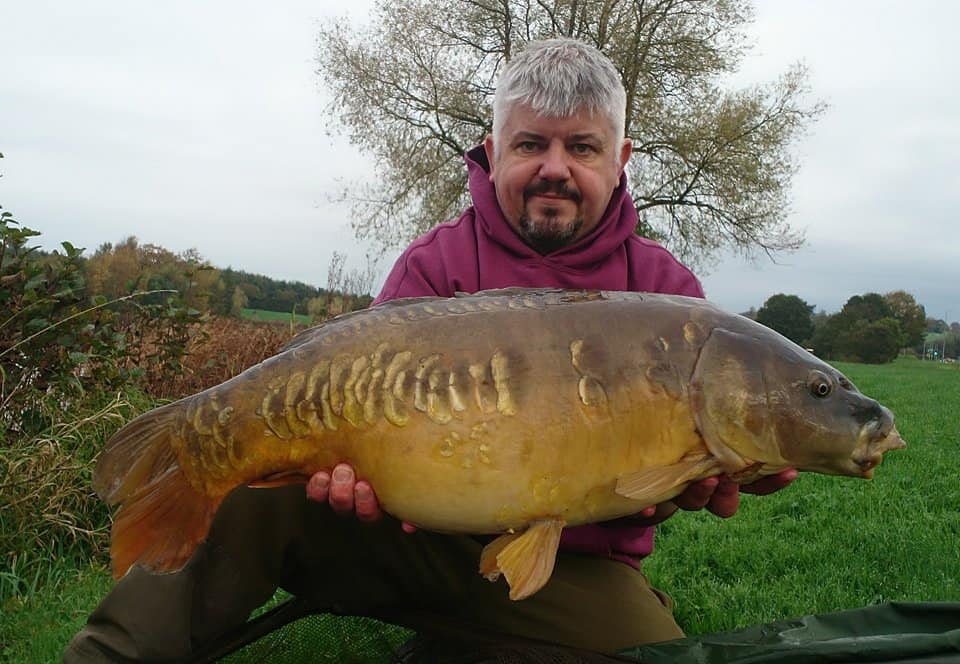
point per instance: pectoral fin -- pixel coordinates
(654, 485)
(749, 473)
(526, 559)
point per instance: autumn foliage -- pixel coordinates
(85, 346)
(222, 348)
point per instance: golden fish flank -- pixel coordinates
(520, 410)
(361, 389)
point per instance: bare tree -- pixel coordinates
(711, 167)
(347, 289)
(335, 272)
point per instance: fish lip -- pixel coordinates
(869, 464)
(877, 437)
(877, 429)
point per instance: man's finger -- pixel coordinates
(725, 500)
(341, 489)
(768, 485)
(697, 495)
(318, 488)
(365, 501)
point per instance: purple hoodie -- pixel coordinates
(479, 250)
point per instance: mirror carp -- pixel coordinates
(511, 412)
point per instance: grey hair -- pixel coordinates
(558, 78)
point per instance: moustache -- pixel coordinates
(554, 188)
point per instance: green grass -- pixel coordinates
(262, 315)
(35, 628)
(823, 544)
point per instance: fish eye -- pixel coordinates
(820, 385)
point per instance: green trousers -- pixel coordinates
(265, 538)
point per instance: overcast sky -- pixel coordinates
(202, 125)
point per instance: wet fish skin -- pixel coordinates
(521, 410)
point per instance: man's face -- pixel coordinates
(554, 176)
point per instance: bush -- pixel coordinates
(48, 510)
(65, 356)
(44, 339)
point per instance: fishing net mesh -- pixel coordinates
(325, 638)
(321, 637)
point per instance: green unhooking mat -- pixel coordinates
(894, 632)
(900, 632)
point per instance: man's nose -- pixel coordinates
(554, 165)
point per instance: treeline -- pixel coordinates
(127, 267)
(262, 292)
(870, 328)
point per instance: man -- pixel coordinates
(550, 208)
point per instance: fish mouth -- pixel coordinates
(876, 439)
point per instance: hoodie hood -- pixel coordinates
(479, 250)
(618, 223)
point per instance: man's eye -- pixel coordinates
(582, 148)
(527, 146)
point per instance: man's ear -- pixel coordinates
(488, 148)
(626, 149)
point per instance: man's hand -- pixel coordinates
(346, 495)
(721, 496)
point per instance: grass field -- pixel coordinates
(264, 316)
(821, 545)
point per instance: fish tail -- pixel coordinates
(163, 517)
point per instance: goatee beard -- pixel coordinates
(546, 235)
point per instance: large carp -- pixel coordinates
(514, 411)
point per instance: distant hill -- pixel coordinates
(268, 294)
